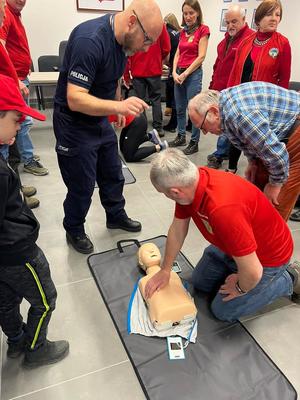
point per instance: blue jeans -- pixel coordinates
(223, 145)
(211, 272)
(183, 93)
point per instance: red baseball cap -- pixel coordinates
(12, 100)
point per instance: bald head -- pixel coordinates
(235, 19)
(138, 26)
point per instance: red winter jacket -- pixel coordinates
(225, 59)
(145, 65)
(272, 65)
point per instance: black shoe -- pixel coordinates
(295, 216)
(80, 243)
(160, 132)
(47, 353)
(169, 128)
(178, 141)
(215, 162)
(126, 224)
(191, 148)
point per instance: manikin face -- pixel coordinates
(17, 5)
(209, 122)
(270, 22)
(149, 255)
(189, 15)
(2, 11)
(9, 126)
(234, 22)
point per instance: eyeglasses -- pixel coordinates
(204, 119)
(147, 38)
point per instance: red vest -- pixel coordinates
(268, 66)
(225, 59)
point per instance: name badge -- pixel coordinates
(190, 39)
(273, 52)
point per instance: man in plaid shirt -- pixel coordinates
(263, 120)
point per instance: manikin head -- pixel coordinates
(235, 19)
(148, 256)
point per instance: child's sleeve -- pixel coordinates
(3, 197)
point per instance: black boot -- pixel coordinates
(80, 243)
(178, 141)
(191, 148)
(47, 353)
(172, 124)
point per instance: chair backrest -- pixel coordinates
(294, 85)
(61, 50)
(48, 63)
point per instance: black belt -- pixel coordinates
(181, 70)
(295, 125)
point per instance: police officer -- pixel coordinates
(87, 92)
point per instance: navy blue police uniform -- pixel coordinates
(86, 146)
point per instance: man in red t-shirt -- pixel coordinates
(246, 265)
(13, 38)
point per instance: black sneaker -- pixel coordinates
(80, 243)
(215, 162)
(169, 128)
(295, 216)
(191, 148)
(47, 353)
(126, 224)
(178, 141)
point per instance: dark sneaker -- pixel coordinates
(214, 162)
(160, 132)
(80, 243)
(28, 190)
(15, 349)
(154, 137)
(32, 202)
(233, 171)
(178, 141)
(35, 168)
(295, 216)
(47, 353)
(169, 128)
(126, 224)
(294, 270)
(191, 148)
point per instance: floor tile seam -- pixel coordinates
(255, 317)
(61, 285)
(71, 379)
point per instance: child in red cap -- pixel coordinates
(24, 270)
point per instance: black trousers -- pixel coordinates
(153, 86)
(31, 281)
(88, 153)
(132, 136)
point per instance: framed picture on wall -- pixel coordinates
(223, 26)
(253, 24)
(100, 5)
(227, 1)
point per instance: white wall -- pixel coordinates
(49, 21)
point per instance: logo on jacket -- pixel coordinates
(273, 52)
(80, 76)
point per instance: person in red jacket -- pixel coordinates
(145, 69)
(263, 56)
(237, 31)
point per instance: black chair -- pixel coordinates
(294, 85)
(61, 50)
(37, 90)
(47, 63)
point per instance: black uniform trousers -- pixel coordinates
(87, 152)
(31, 281)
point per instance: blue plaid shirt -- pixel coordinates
(256, 116)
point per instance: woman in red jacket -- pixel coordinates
(263, 56)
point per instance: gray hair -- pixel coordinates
(202, 101)
(236, 8)
(172, 168)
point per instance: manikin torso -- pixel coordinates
(171, 305)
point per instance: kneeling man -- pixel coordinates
(247, 264)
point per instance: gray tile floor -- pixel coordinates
(98, 366)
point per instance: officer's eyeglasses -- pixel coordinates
(204, 119)
(147, 39)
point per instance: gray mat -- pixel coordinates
(128, 176)
(226, 363)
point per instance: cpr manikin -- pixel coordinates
(171, 305)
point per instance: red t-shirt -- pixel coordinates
(237, 217)
(6, 66)
(189, 45)
(13, 32)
